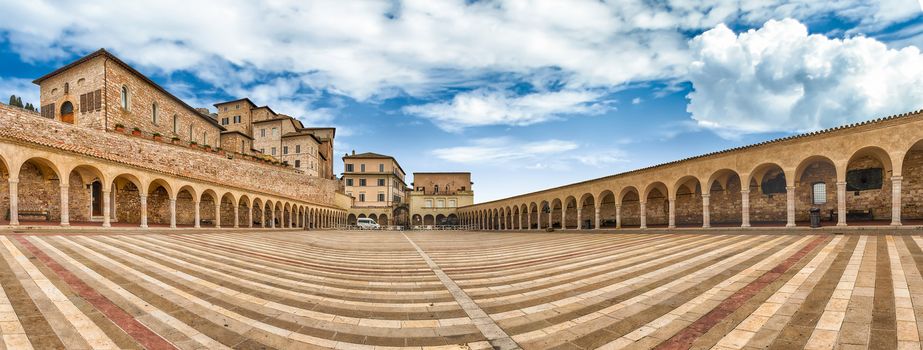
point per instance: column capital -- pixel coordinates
(791, 187)
(706, 195)
(897, 178)
(143, 196)
(13, 181)
(64, 185)
(841, 183)
(747, 191)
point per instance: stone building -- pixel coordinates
(376, 184)
(862, 174)
(436, 197)
(76, 161)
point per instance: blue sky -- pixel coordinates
(525, 95)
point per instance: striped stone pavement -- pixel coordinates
(476, 290)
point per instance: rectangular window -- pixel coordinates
(362, 167)
(273, 151)
(224, 121)
(349, 167)
(275, 132)
(381, 196)
(362, 197)
(381, 168)
(381, 182)
(820, 193)
(284, 149)
(451, 203)
(297, 163)
(262, 132)
(263, 150)
(236, 119)
(361, 182)
(440, 203)
(429, 203)
(349, 182)
(297, 148)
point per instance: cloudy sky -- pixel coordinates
(526, 95)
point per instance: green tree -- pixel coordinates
(12, 100)
(19, 102)
(29, 107)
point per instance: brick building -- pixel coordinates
(436, 197)
(376, 184)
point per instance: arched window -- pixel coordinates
(819, 192)
(154, 113)
(124, 97)
(205, 137)
(190, 133)
(175, 123)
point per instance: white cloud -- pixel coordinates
(483, 107)
(636, 100)
(779, 78)
(600, 158)
(502, 150)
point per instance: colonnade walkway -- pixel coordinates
(375, 290)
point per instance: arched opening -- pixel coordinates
(243, 211)
(815, 187)
(687, 209)
(268, 215)
(67, 112)
(417, 220)
(517, 218)
(657, 205)
(440, 219)
(524, 216)
(351, 219)
(39, 193)
(208, 209)
(557, 211)
(607, 209)
(158, 203)
(508, 218)
(451, 219)
(429, 220)
(768, 196)
(80, 193)
(630, 209)
(383, 220)
(374, 217)
(587, 210)
(259, 216)
(279, 216)
(912, 185)
(533, 216)
(725, 206)
(4, 191)
(185, 206)
(227, 210)
(126, 203)
(868, 187)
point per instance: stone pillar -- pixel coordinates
(237, 216)
(197, 219)
(896, 200)
(218, 213)
(563, 216)
(745, 208)
(841, 203)
(107, 208)
(618, 216)
(172, 212)
(143, 211)
(706, 211)
(529, 221)
(579, 218)
(550, 222)
(538, 219)
(672, 213)
(597, 219)
(272, 218)
(14, 202)
(643, 215)
(790, 195)
(65, 205)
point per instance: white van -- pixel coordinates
(367, 224)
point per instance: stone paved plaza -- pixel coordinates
(369, 290)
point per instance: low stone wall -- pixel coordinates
(24, 127)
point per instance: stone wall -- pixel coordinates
(29, 128)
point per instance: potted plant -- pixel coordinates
(158, 137)
(219, 150)
(175, 140)
(119, 128)
(136, 131)
(193, 144)
(207, 147)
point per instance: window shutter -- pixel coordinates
(99, 99)
(90, 101)
(83, 103)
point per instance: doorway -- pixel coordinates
(67, 112)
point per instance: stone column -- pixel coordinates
(529, 221)
(563, 216)
(218, 214)
(272, 218)
(65, 205)
(618, 216)
(143, 211)
(597, 219)
(790, 195)
(236, 216)
(745, 208)
(706, 211)
(550, 222)
(196, 224)
(643, 215)
(538, 219)
(896, 200)
(14, 202)
(579, 218)
(107, 208)
(672, 213)
(841, 203)
(172, 212)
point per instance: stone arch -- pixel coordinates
(429, 219)
(374, 217)
(557, 211)
(451, 219)
(533, 215)
(258, 208)
(209, 208)
(524, 216)
(657, 205)
(227, 209)
(606, 209)
(586, 211)
(286, 221)
(508, 221)
(440, 219)
(725, 201)
(768, 183)
(911, 185)
(159, 194)
(417, 220)
(268, 213)
(125, 198)
(868, 185)
(544, 209)
(244, 212)
(186, 200)
(517, 218)
(383, 219)
(82, 205)
(630, 207)
(569, 208)
(822, 172)
(39, 190)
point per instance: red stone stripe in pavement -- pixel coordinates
(140, 333)
(686, 337)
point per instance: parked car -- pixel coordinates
(367, 224)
